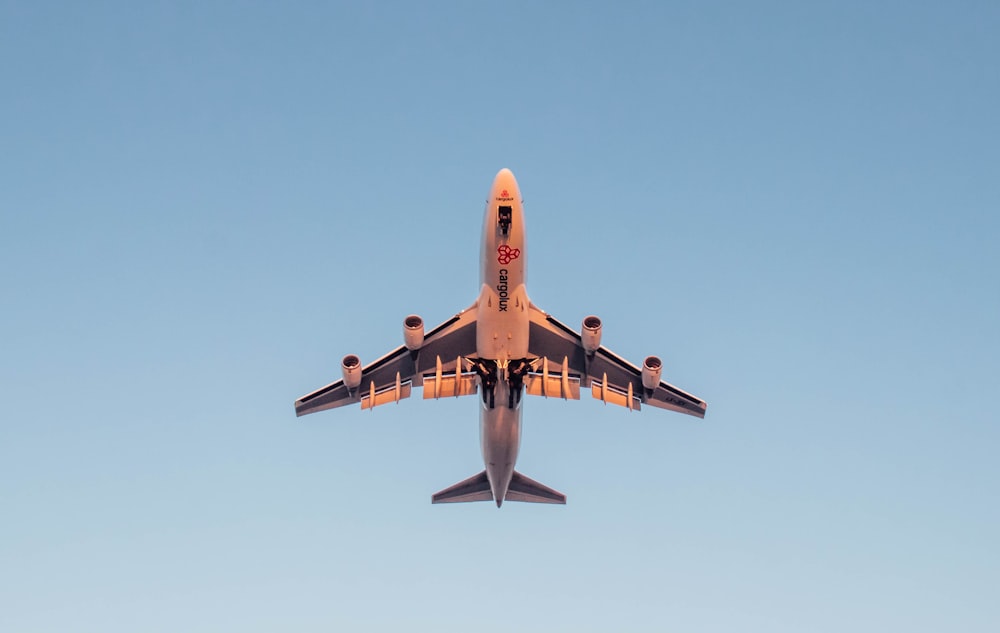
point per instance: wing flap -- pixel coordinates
(451, 383)
(552, 386)
(448, 386)
(610, 394)
(395, 393)
(554, 382)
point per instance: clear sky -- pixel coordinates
(204, 206)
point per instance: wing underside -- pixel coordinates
(392, 377)
(564, 369)
(609, 377)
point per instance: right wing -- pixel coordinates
(390, 378)
(610, 377)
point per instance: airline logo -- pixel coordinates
(502, 292)
(505, 196)
(505, 254)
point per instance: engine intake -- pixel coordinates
(351, 366)
(591, 334)
(652, 368)
(413, 332)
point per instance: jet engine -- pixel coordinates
(652, 368)
(591, 334)
(351, 366)
(413, 332)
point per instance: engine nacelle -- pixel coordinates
(652, 368)
(413, 332)
(591, 334)
(351, 366)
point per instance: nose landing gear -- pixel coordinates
(505, 216)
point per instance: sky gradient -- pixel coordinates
(204, 206)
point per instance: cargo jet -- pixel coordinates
(502, 348)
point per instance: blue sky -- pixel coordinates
(203, 206)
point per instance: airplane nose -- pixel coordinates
(505, 186)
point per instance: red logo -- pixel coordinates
(507, 253)
(504, 194)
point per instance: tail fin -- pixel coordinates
(475, 488)
(524, 489)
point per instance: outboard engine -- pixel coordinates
(590, 334)
(652, 368)
(413, 332)
(351, 366)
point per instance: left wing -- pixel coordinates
(611, 378)
(391, 377)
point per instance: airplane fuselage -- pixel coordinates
(502, 330)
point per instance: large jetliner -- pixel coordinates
(502, 346)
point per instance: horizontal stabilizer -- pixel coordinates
(524, 489)
(475, 488)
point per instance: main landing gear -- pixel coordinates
(490, 373)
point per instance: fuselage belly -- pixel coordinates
(502, 329)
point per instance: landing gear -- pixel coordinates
(505, 216)
(490, 373)
(487, 372)
(516, 371)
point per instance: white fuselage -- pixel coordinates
(502, 328)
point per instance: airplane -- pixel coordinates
(502, 346)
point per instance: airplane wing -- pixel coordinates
(611, 378)
(390, 378)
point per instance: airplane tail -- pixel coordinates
(477, 488)
(524, 489)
